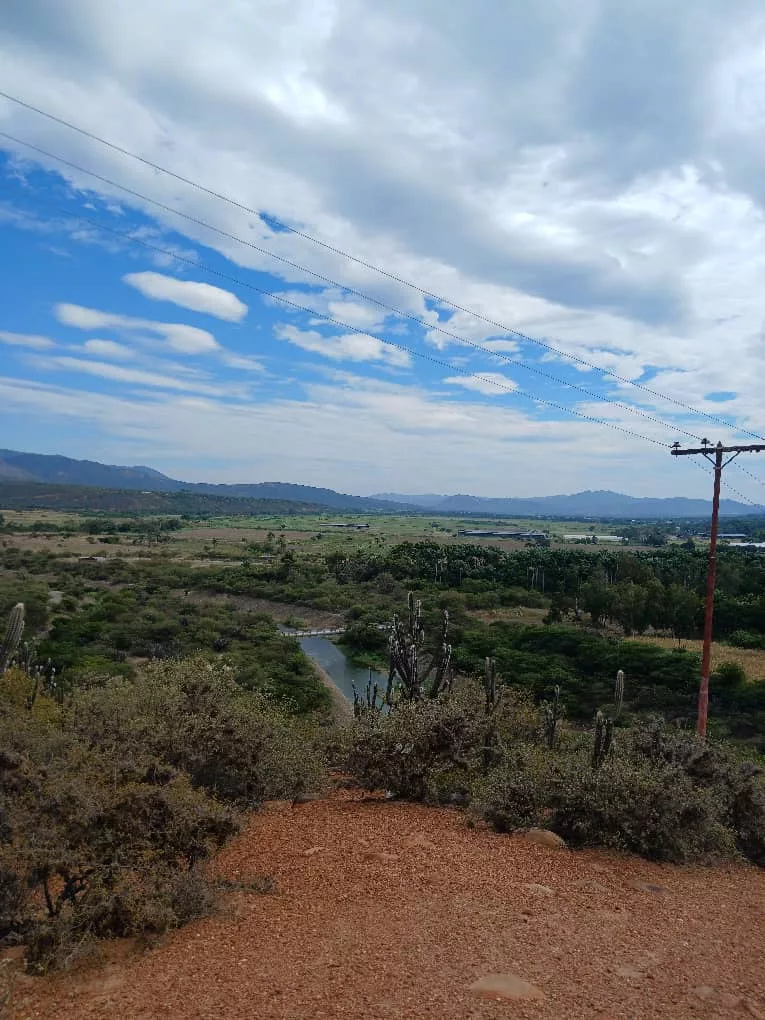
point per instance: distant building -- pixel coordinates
(530, 536)
(600, 538)
(345, 524)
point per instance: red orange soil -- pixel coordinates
(391, 911)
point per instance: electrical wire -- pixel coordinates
(592, 394)
(377, 269)
(513, 390)
(398, 312)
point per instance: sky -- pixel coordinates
(367, 204)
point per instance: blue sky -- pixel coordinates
(581, 193)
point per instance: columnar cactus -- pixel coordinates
(490, 684)
(492, 745)
(13, 633)
(369, 703)
(405, 645)
(604, 735)
(551, 714)
(619, 692)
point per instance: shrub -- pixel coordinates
(193, 715)
(432, 749)
(745, 639)
(109, 807)
(411, 750)
(106, 844)
(662, 793)
(738, 785)
(513, 796)
(656, 812)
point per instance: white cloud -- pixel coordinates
(348, 347)
(490, 384)
(242, 363)
(108, 349)
(181, 338)
(199, 297)
(354, 313)
(502, 346)
(139, 377)
(370, 434)
(36, 343)
(611, 205)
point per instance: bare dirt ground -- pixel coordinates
(387, 911)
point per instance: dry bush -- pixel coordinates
(432, 749)
(192, 714)
(109, 808)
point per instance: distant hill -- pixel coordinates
(65, 471)
(428, 500)
(40, 467)
(58, 470)
(16, 495)
(602, 503)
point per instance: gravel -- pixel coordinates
(392, 911)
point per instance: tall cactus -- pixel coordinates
(604, 735)
(13, 633)
(492, 744)
(406, 641)
(551, 714)
(619, 692)
(369, 704)
(490, 684)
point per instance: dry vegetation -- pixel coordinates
(751, 660)
(382, 910)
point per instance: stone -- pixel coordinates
(379, 857)
(419, 842)
(657, 890)
(590, 885)
(544, 837)
(539, 890)
(626, 971)
(505, 986)
(704, 992)
(312, 851)
(730, 1001)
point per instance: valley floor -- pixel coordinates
(392, 911)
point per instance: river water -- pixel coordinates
(332, 658)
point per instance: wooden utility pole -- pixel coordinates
(716, 456)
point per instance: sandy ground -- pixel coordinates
(391, 911)
(342, 709)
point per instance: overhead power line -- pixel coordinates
(275, 296)
(377, 269)
(592, 394)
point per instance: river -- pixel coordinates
(334, 661)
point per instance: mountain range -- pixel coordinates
(58, 470)
(598, 503)
(17, 467)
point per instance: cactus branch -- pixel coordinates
(13, 633)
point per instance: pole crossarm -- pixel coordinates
(715, 454)
(676, 451)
